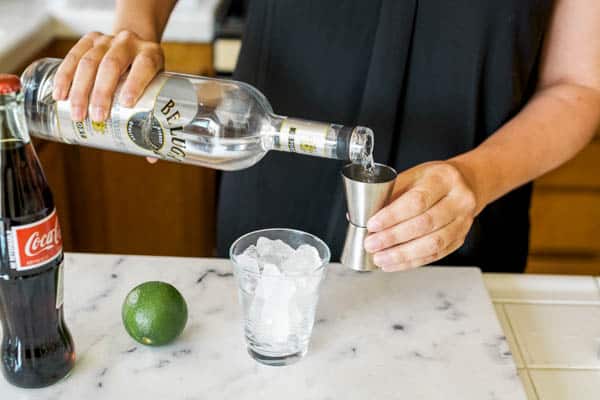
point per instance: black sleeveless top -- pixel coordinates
(433, 78)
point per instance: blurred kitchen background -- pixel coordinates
(115, 203)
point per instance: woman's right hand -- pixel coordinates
(90, 72)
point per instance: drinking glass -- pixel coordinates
(278, 307)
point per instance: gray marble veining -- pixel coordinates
(426, 334)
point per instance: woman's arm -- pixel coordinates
(558, 121)
(91, 70)
(146, 18)
(435, 203)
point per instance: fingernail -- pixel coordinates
(98, 114)
(77, 113)
(372, 244)
(382, 260)
(127, 100)
(374, 225)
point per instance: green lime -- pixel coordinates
(154, 313)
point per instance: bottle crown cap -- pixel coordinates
(9, 83)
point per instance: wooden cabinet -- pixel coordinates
(565, 217)
(116, 203)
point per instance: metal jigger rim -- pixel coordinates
(347, 167)
(374, 193)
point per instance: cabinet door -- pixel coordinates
(52, 156)
(122, 204)
(565, 217)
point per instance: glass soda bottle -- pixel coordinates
(221, 124)
(37, 349)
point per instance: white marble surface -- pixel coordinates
(26, 26)
(426, 334)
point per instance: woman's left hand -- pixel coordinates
(431, 212)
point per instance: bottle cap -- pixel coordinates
(9, 84)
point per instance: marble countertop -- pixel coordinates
(26, 26)
(425, 334)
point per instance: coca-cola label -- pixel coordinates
(36, 244)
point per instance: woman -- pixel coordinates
(470, 100)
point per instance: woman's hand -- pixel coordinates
(90, 72)
(429, 217)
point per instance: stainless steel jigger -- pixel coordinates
(363, 200)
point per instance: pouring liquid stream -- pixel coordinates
(368, 173)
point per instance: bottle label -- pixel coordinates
(33, 245)
(304, 137)
(176, 105)
(60, 286)
(152, 128)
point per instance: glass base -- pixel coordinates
(276, 361)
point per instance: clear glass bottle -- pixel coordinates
(216, 123)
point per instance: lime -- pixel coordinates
(154, 313)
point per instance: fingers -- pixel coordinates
(152, 160)
(116, 60)
(419, 198)
(66, 70)
(438, 216)
(146, 65)
(432, 246)
(418, 262)
(91, 71)
(83, 80)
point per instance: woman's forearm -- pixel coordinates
(146, 18)
(556, 124)
(558, 121)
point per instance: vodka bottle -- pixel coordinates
(221, 124)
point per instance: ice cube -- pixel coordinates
(269, 281)
(303, 268)
(248, 260)
(303, 260)
(273, 251)
(270, 309)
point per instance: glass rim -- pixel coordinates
(324, 261)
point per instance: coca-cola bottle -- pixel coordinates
(37, 349)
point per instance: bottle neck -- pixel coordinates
(12, 119)
(320, 139)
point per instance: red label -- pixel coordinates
(37, 243)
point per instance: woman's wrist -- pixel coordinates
(146, 19)
(146, 33)
(481, 176)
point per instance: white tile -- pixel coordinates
(556, 336)
(566, 384)
(529, 390)
(542, 288)
(510, 337)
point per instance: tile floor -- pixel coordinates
(552, 325)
